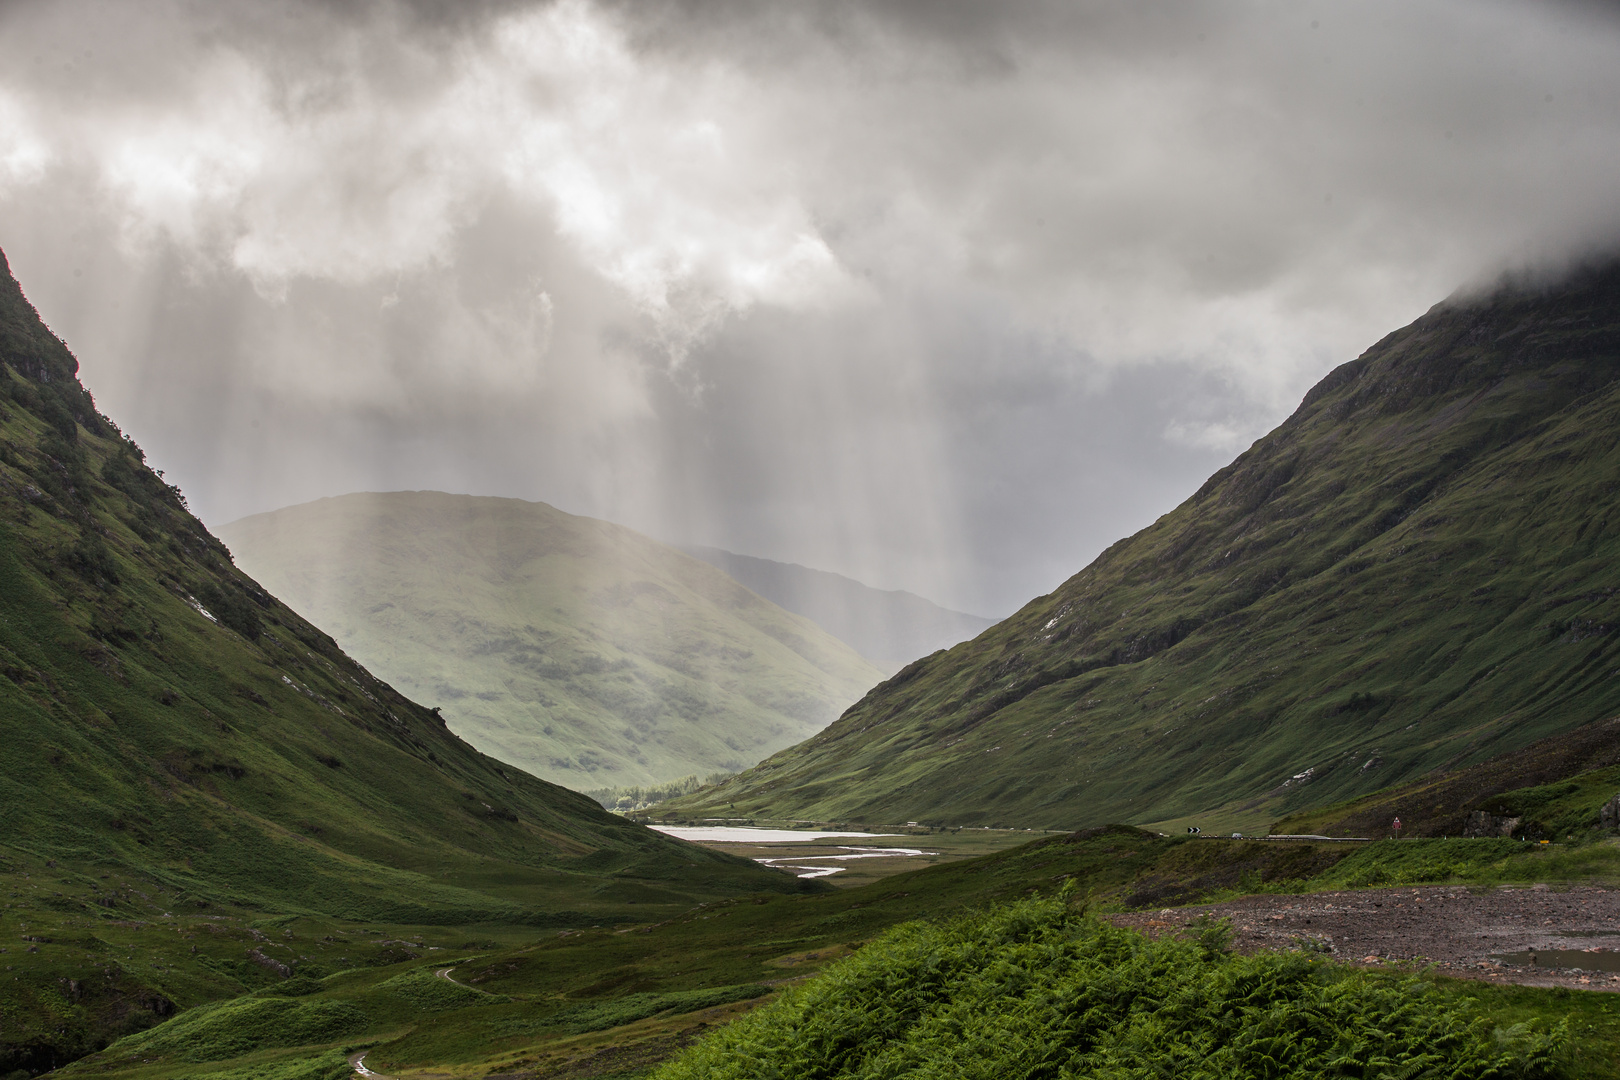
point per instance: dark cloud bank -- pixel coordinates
(946, 297)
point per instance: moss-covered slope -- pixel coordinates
(579, 650)
(1417, 569)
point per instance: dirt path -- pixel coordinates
(1462, 932)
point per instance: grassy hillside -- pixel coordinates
(1417, 570)
(578, 650)
(604, 1001)
(177, 740)
(1551, 789)
(889, 627)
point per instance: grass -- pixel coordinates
(1552, 789)
(1479, 862)
(331, 1065)
(1415, 571)
(230, 1029)
(580, 651)
(632, 1007)
(430, 992)
(596, 999)
(1592, 1020)
(1563, 809)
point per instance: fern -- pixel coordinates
(1037, 991)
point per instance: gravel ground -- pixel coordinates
(1461, 931)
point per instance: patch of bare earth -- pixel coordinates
(1458, 930)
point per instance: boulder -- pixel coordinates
(1481, 823)
(1609, 815)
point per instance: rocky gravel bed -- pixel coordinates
(1471, 933)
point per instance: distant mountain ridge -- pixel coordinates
(579, 650)
(1420, 568)
(890, 627)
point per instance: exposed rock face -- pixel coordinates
(1609, 815)
(1481, 823)
(269, 962)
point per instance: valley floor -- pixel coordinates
(614, 999)
(1487, 933)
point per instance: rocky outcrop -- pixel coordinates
(1609, 815)
(1481, 823)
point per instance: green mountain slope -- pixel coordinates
(890, 627)
(175, 738)
(1553, 789)
(1418, 569)
(581, 651)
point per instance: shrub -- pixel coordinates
(1035, 990)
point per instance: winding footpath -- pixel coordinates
(357, 1061)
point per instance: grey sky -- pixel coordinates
(946, 297)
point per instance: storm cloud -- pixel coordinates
(944, 296)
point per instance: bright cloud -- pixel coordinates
(934, 292)
(23, 152)
(321, 172)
